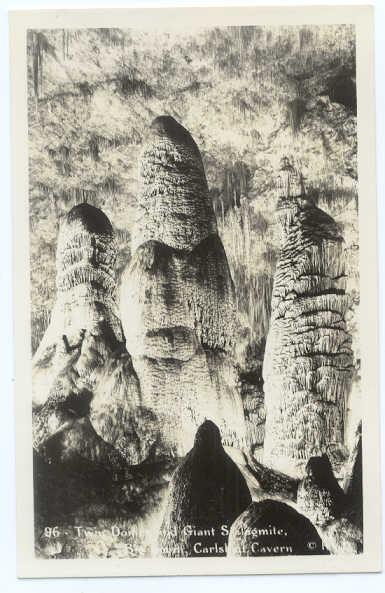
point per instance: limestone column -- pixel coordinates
(176, 300)
(307, 367)
(82, 370)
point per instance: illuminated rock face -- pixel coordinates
(83, 350)
(308, 359)
(174, 206)
(177, 296)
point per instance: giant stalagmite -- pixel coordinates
(177, 295)
(84, 385)
(308, 358)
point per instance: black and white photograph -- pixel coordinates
(197, 376)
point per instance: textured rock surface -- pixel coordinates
(272, 528)
(207, 491)
(174, 203)
(177, 296)
(81, 367)
(251, 389)
(342, 536)
(308, 358)
(336, 514)
(319, 495)
(271, 482)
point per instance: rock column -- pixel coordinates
(177, 295)
(308, 360)
(82, 371)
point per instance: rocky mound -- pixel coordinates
(319, 496)
(338, 516)
(207, 492)
(308, 358)
(272, 528)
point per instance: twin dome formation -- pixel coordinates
(160, 365)
(122, 383)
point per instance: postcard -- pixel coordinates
(195, 291)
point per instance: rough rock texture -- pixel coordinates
(64, 433)
(272, 528)
(174, 203)
(337, 516)
(308, 358)
(319, 496)
(207, 491)
(82, 367)
(177, 296)
(251, 389)
(269, 481)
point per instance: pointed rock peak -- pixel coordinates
(167, 126)
(319, 472)
(290, 181)
(320, 469)
(319, 496)
(208, 437)
(208, 491)
(175, 207)
(90, 218)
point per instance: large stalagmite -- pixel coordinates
(308, 358)
(82, 370)
(177, 295)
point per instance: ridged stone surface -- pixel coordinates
(174, 206)
(308, 359)
(83, 350)
(176, 300)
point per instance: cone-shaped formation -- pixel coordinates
(206, 494)
(84, 346)
(308, 358)
(272, 528)
(319, 495)
(177, 296)
(174, 204)
(337, 516)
